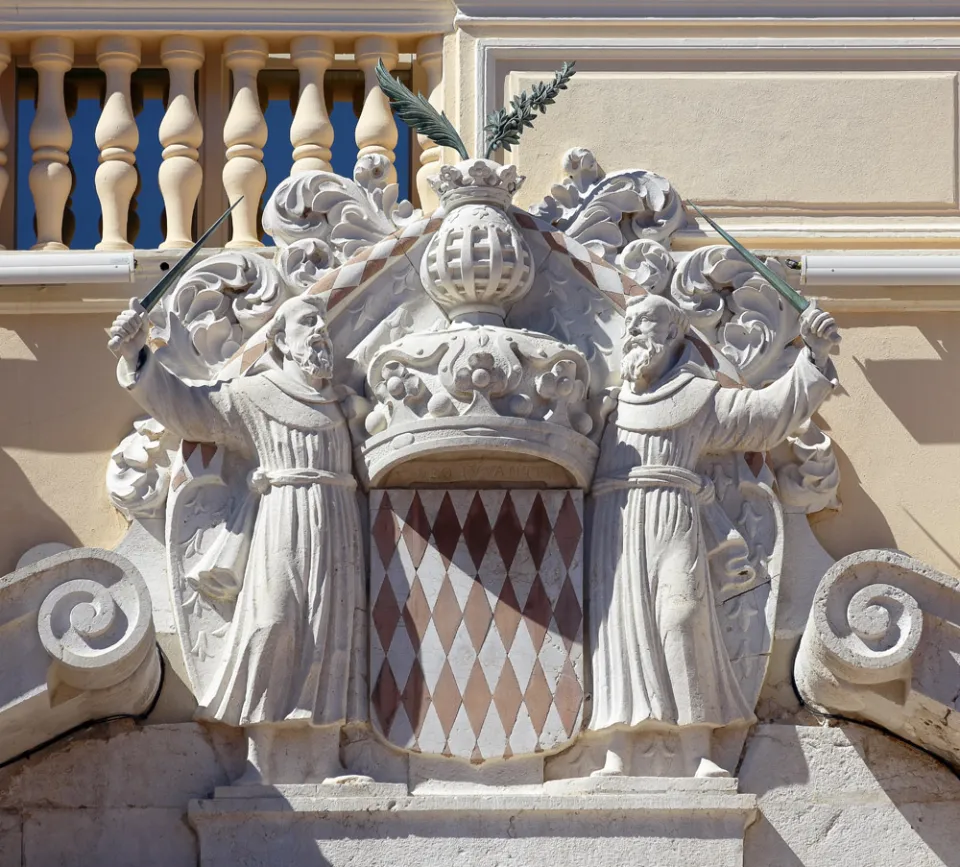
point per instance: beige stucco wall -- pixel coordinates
(808, 139)
(63, 413)
(896, 427)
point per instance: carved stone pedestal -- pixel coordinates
(667, 823)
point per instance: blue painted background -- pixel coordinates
(84, 152)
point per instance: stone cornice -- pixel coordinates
(183, 16)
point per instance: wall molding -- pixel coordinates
(709, 9)
(227, 16)
(752, 54)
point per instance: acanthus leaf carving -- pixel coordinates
(345, 215)
(807, 470)
(217, 305)
(606, 212)
(648, 263)
(138, 476)
(738, 311)
(304, 262)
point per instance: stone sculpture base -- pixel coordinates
(662, 822)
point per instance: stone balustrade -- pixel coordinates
(213, 131)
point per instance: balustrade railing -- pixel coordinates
(212, 134)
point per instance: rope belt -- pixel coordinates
(261, 481)
(657, 477)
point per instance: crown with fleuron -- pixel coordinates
(476, 181)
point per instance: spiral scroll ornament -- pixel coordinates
(99, 632)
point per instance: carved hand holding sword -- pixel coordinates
(130, 322)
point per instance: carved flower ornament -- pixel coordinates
(400, 383)
(480, 373)
(561, 382)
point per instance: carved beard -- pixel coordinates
(315, 357)
(639, 359)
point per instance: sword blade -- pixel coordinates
(169, 280)
(787, 292)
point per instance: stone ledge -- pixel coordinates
(229, 803)
(470, 830)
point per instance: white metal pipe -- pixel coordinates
(880, 270)
(64, 267)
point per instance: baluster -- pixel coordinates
(181, 135)
(376, 129)
(245, 134)
(430, 58)
(5, 57)
(117, 138)
(50, 138)
(311, 132)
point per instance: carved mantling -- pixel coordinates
(480, 347)
(479, 329)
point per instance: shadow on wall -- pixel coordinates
(63, 414)
(871, 529)
(848, 796)
(909, 387)
(900, 423)
(25, 519)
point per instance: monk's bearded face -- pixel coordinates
(312, 351)
(641, 352)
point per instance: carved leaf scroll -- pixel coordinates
(345, 215)
(138, 475)
(217, 305)
(607, 212)
(738, 311)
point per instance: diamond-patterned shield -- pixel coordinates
(476, 620)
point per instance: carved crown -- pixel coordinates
(476, 180)
(477, 265)
(478, 402)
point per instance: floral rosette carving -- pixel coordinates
(482, 371)
(480, 374)
(562, 386)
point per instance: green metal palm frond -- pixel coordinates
(417, 113)
(789, 294)
(505, 127)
